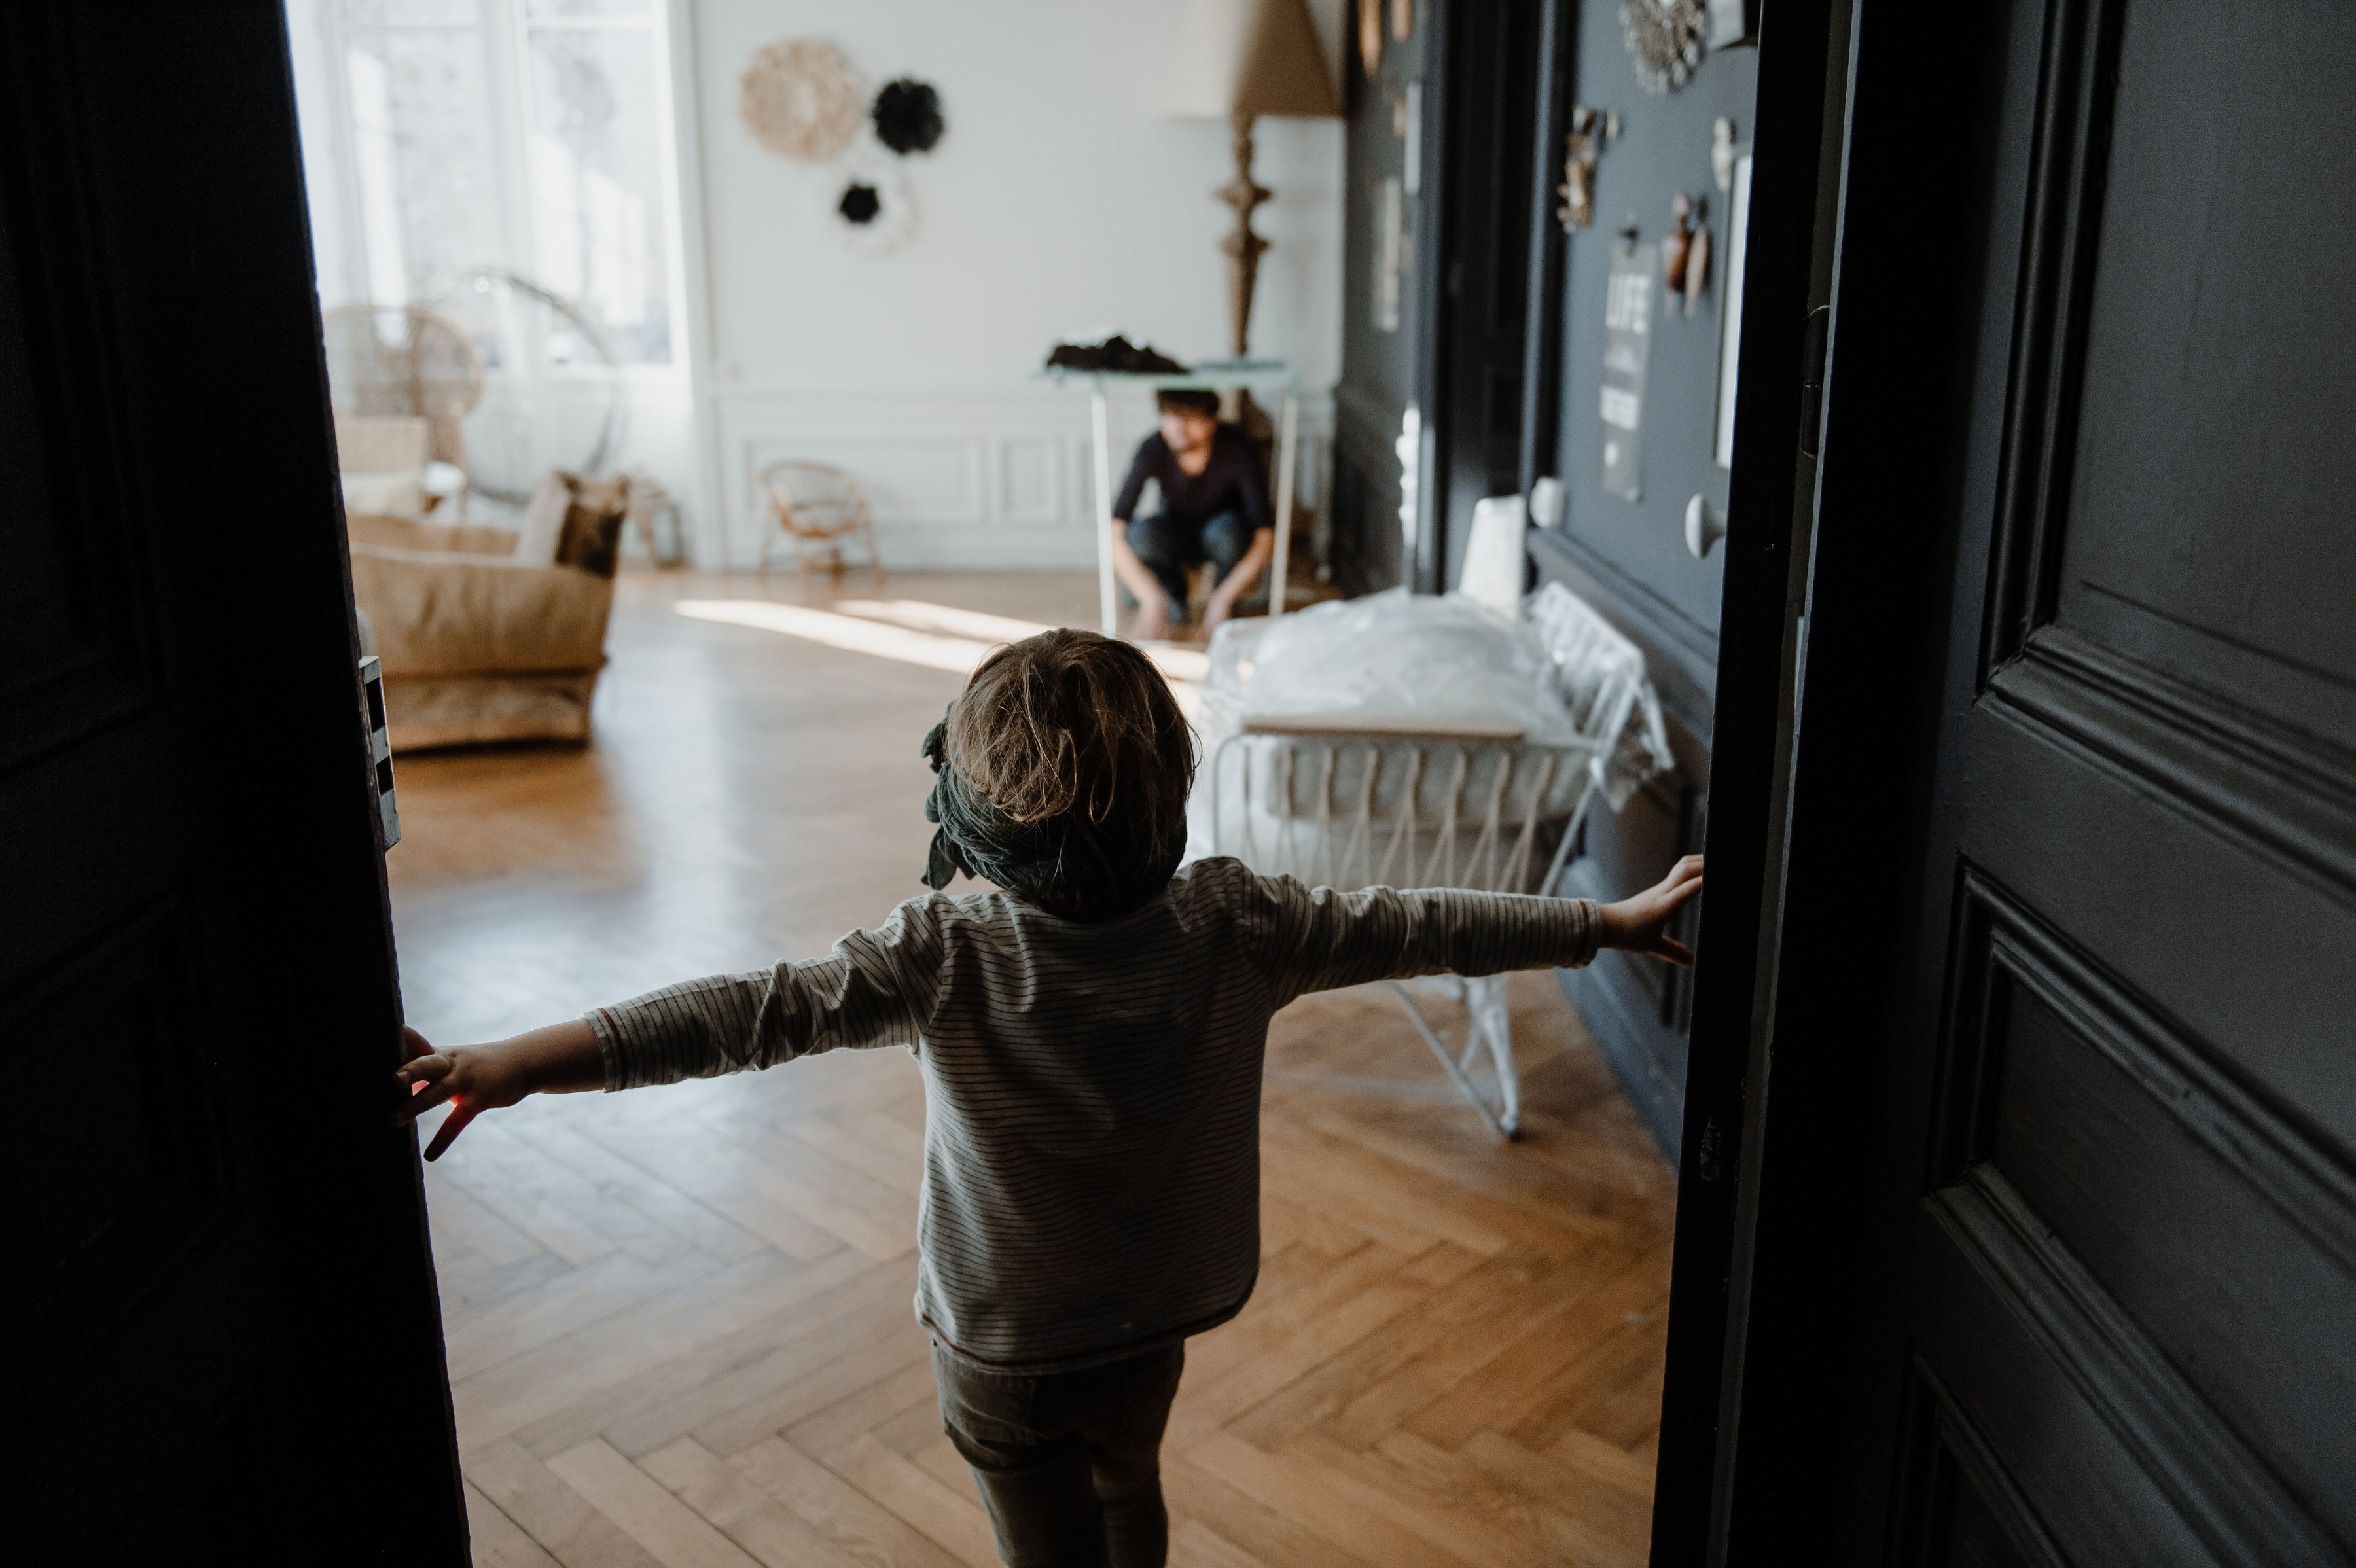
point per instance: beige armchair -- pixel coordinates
(478, 645)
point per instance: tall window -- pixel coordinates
(530, 135)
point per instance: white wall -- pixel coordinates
(1059, 202)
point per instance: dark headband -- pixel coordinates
(1025, 858)
(975, 836)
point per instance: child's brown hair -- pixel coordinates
(1079, 735)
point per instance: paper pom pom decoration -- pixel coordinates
(873, 209)
(908, 116)
(801, 100)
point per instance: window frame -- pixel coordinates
(504, 27)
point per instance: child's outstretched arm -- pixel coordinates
(875, 989)
(559, 1060)
(1318, 940)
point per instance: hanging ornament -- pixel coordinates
(908, 116)
(1664, 41)
(1591, 130)
(1698, 262)
(873, 208)
(801, 100)
(1685, 253)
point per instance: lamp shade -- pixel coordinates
(1242, 59)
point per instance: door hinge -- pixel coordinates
(1812, 377)
(379, 749)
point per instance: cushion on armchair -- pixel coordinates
(415, 533)
(573, 521)
(592, 537)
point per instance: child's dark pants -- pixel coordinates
(1069, 1465)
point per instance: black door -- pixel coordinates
(1484, 155)
(2134, 1300)
(1386, 81)
(2051, 1255)
(225, 1347)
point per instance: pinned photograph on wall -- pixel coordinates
(1391, 252)
(1729, 341)
(1627, 350)
(1733, 22)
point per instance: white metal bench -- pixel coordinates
(1345, 802)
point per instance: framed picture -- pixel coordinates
(1729, 341)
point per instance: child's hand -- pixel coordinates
(1636, 923)
(475, 1079)
(472, 1078)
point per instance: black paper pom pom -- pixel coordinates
(907, 116)
(860, 203)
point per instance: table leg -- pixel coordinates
(1287, 450)
(1105, 600)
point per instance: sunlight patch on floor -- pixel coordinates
(916, 615)
(850, 633)
(915, 632)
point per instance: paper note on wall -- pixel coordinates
(1391, 254)
(1627, 350)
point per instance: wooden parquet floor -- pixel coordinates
(677, 1321)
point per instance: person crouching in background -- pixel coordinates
(1214, 508)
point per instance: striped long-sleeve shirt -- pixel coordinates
(1092, 1090)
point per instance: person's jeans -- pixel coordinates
(1069, 1465)
(1168, 546)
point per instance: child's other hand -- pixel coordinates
(472, 1078)
(1636, 923)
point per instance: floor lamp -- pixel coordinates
(1237, 61)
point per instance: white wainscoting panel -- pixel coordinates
(1031, 477)
(987, 477)
(917, 477)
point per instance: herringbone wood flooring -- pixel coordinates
(677, 1321)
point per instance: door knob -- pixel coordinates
(1705, 526)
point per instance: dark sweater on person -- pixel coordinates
(1230, 482)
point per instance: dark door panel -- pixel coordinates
(1493, 92)
(2248, 950)
(228, 1347)
(2090, 711)
(2182, 1216)
(2138, 1260)
(2211, 439)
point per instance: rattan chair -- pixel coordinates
(817, 506)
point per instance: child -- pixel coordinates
(1091, 1041)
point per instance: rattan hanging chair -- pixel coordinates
(403, 359)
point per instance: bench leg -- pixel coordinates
(1508, 1125)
